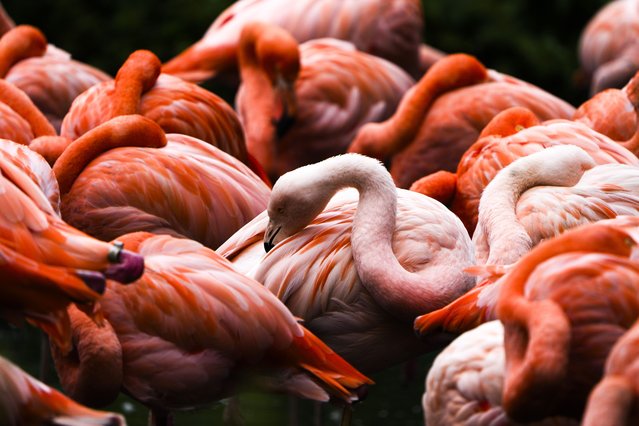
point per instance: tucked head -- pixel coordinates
(562, 165)
(296, 199)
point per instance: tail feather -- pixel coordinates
(336, 376)
(463, 314)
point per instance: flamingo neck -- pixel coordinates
(18, 101)
(137, 75)
(450, 73)
(632, 90)
(404, 294)
(124, 131)
(507, 238)
(202, 62)
(259, 129)
(269, 62)
(20, 43)
(92, 372)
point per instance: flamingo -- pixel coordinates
(611, 111)
(49, 76)
(47, 264)
(514, 133)
(193, 330)
(303, 103)
(613, 400)
(608, 45)
(516, 214)
(443, 115)
(464, 383)
(357, 272)
(177, 106)
(171, 184)
(563, 306)
(389, 29)
(27, 401)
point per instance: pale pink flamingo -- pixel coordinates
(47, 264)
(516, 213)
(357, 272)
(303, 103)
(511, 134)
(608, 46)
(563, 306)
(177, 106)
(613, 400)
(442, 116)
(193, 330)
(50, 78)
(171, 184)
(465, 382)
(27, 401)
(389, 29)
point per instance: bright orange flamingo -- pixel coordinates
(516, 213)
(563, 307)
(301, 104)
(27, 401)
(608, 47)
(443, 115)
(46, 264)
(611, 111)
(50, 78)
(465, 382)
(356, 272)
(514, 133)
(613, 400)
(174, 185)
(177, 106)
(389, 29)
(191, 331)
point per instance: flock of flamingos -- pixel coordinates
(366, 200)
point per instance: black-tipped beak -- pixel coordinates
(268, 246)
(126, 266)
(94, 280)
(268, 240)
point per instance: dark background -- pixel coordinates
(533, 40)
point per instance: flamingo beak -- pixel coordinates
(269, 237)
(126, 266)
(94, 280)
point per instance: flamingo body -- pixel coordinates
(188, 188)
(573, 296)
(193, 331)
(53, 82)
(177, 106)
(465, 382)
(456, 118)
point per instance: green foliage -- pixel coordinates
(535, 41)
